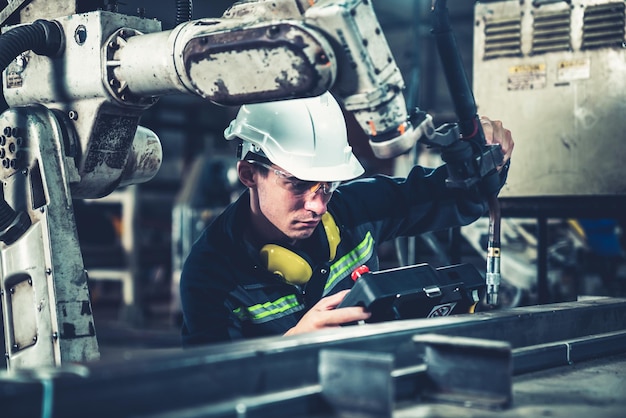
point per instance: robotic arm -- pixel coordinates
(258, 51)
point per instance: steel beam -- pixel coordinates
(221, 379)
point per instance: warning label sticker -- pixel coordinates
(579, 69)
(527, 77)
(14, 80)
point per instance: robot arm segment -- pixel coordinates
(369, 83)
(229, 62)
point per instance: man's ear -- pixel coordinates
(246, 173)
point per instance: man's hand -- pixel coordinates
(495, 133)
(324, 315)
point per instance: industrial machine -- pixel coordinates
(554, 71)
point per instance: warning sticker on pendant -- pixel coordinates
(441, 310)
(527, 77)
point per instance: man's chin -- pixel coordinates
(301, 233)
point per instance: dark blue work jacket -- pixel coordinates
(226, 294)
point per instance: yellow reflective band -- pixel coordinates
(267, 311)
(344, 266)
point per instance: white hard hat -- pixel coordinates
(306, 137)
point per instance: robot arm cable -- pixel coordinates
(42, 37)
(471, 157)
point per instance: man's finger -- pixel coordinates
(346, 315)
(331, 302)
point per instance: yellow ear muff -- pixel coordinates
(292, 267)
(332, 234)
(285, 263)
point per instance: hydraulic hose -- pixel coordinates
(473, 139)
(43, 38)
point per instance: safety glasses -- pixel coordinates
(299, 187)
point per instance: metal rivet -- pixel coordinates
(72, 114)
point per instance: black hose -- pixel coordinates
(184, 11)
(42, 37)
(458, 84)
(473, 137)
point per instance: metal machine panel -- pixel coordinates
(555, 73)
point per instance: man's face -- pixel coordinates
(294, 207)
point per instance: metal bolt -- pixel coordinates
(72, 114)
(321, 58)
(16, 347)
(12, 290)
(35, 339)
(273, 31)
(48, 271)
(55, 335)
(30, 282)
(80, 35)
(323, 271)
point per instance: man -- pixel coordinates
(279, 259)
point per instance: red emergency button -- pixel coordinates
(359, 271)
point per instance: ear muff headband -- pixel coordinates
(332, 234)
(295, 268)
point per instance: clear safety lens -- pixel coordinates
(300, 187)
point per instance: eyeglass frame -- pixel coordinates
(327, 187)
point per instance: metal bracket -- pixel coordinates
(468, 371)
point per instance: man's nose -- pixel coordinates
(317, 202)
